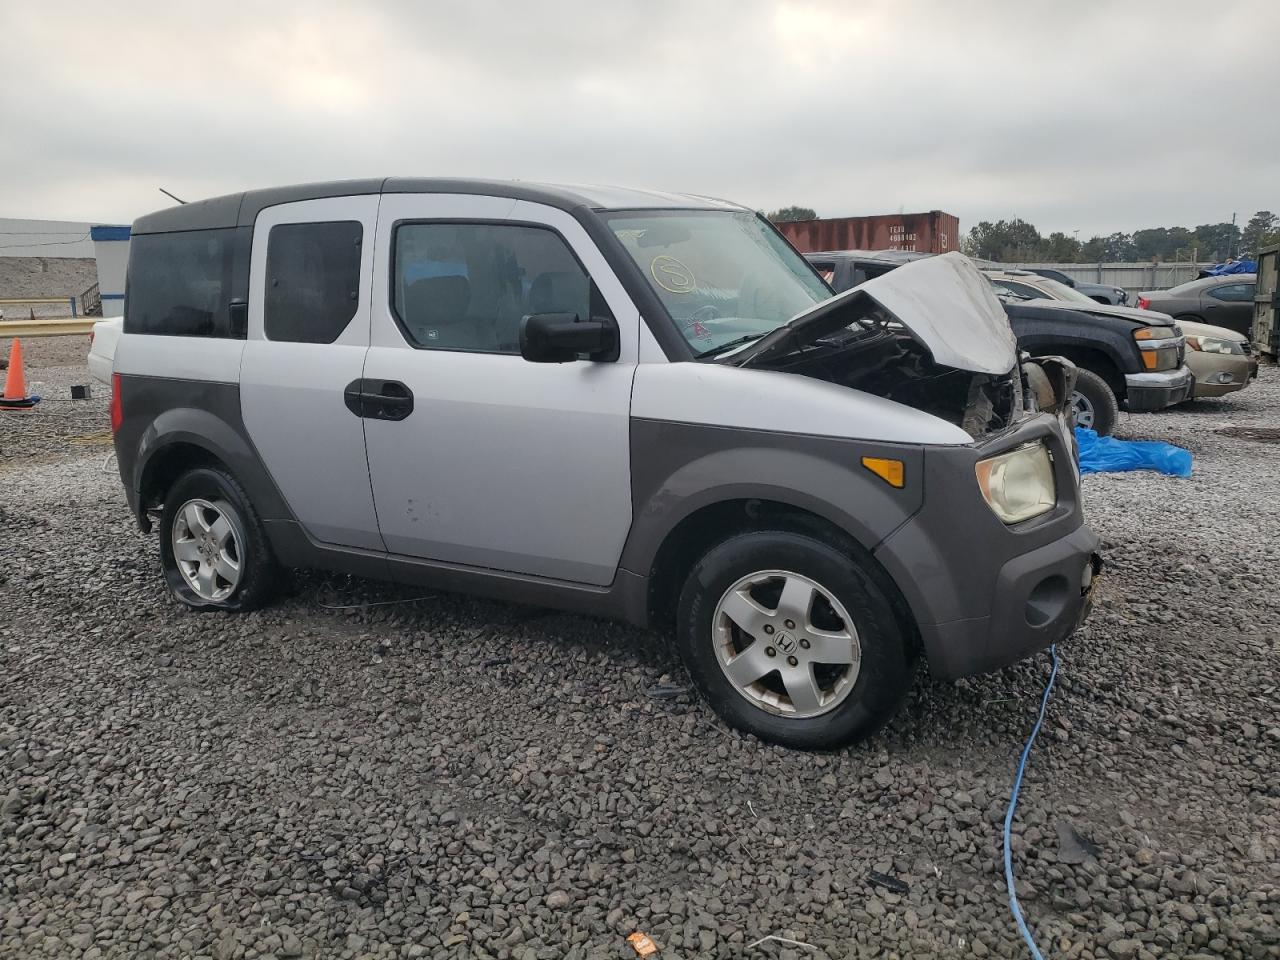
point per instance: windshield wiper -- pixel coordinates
(727, 346)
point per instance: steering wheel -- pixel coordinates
(704, 314)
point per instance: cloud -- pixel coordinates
(1096, 117)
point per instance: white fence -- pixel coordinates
(1128, 276)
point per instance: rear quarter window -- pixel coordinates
(313, 280)
(181, 284)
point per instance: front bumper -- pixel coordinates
(984, 594)
(1040, 598)
(1145, 392)
(1217, 374)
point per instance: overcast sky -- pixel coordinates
(1089, 116)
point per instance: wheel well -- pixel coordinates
(702, 529)
(1099, 363)
(169, 463)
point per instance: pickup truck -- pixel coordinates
(1123, 356)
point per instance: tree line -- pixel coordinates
(1016, 241)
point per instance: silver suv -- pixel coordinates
(639, 405)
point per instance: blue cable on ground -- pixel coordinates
(1013, 806)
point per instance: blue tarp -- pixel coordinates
(1238, 266)
(1110, 455)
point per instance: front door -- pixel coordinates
(310, 281)
(1230, 305)
(492, 461)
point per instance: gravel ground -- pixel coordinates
(454, 777)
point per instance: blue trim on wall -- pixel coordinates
(111, 296)
(109, 233)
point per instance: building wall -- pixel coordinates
(932, 232)
(1133, 276)
(44, 277)
(111, 249)
(59, 239)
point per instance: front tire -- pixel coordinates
(1094, 404)
(792, 640)
(213, 550)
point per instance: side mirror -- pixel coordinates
(562, 338)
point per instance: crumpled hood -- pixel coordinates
(943, 302)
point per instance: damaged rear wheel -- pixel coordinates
(792, 640)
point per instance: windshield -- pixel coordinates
(1060, 291)
(724, 276)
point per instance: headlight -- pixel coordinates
(1019, 485)
(1159, 346)
(1214, 345)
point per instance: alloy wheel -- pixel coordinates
(1082, 409)
(206, 549)
(786, 643)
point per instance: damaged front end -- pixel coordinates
(929, 335)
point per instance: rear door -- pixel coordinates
(490, 460)
(1229, 305)
(311, 274)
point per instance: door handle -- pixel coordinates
(378, 399)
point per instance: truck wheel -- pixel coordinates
(212, 546)
(792, 640)
(1093, 403)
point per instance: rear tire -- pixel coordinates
(1094, 404)
(213, 549)
(822, 659)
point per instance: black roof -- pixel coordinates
(242, 209)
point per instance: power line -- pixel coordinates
(51, 243)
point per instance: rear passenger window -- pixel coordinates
(1233, 292)
(467, 286)
(180, 284)
(313, 280)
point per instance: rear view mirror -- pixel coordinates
(562, 337)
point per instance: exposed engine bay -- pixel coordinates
(879, 360)
(929, 335)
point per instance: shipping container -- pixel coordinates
(932, 232)
(1266, 303)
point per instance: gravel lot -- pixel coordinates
(453, 777)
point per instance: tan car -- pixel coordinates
(1220, 359)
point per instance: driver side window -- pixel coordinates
(467, 286)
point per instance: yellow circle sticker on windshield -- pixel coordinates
(672, 275)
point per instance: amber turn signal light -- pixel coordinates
(891, 472)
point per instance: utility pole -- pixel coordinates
(1231, 239)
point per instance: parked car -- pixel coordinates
(639, 405)
(1123, 356)
(1158, 379)
(1094, 291)
(1221, 360)
(102, 347)
(1121, 362)
(1225, 301)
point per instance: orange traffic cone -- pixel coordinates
(15, 383)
